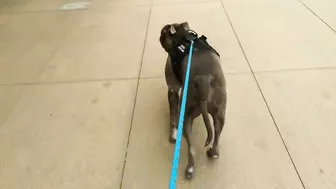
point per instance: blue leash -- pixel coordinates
(174, 172)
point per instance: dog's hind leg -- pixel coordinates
(203, 87)
(218, 116)
(219, 121)
(173, 99)
(218, 113)
(189, 171)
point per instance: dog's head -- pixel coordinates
(170, 30)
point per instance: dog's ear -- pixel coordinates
(165, 29)
(165, 38)
(172, 30)
(185, 25)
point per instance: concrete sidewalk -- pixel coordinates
(83, 101)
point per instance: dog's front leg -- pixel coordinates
(189, 171)
(173, 99)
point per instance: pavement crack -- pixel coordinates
(318, 17)
(264, 98)
(136, 95)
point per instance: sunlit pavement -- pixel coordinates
(83, 101)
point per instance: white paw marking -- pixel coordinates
(191, 170)
(174, 134)
(192, 151)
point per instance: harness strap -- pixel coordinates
(179, 52)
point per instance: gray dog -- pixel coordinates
(206, 92)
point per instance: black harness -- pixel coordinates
(181, 46)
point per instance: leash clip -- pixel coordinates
(191, 36)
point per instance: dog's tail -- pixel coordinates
(203, 87)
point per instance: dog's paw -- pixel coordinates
(172, 140)
(211, 153)
(189, 173)
(173, 135)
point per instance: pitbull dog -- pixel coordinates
(206, 92)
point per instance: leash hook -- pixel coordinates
(192, 35)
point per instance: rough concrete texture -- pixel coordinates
(83, 102)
